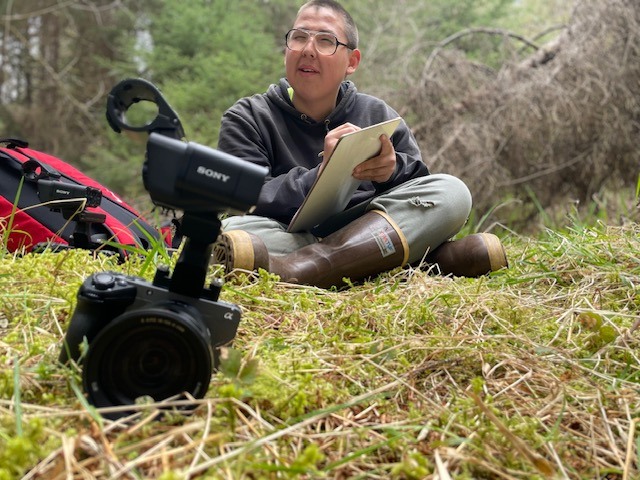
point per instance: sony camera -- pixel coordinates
(145, 341)
(61, 195)
(161, 339)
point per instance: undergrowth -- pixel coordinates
(531, 372)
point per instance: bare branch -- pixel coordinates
(472, 31)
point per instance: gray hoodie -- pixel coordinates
(267, 130)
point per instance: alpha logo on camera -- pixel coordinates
(207, 172)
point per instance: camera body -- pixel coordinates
(145, 340)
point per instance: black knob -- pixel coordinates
(103, 281)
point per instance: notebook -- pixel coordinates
(335, 186)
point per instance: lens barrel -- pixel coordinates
(158, 352)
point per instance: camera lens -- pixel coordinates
(156, 352)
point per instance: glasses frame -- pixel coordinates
(312, 34)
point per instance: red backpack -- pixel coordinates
(44, 201)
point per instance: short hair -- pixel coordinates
(351, 30)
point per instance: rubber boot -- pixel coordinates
(471, 256)
(367, 246)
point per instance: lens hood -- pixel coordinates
(159, 352)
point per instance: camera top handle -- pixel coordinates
(134, 90)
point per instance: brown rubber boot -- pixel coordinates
(471, 256)
(367, 246)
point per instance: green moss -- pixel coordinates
(372, 379)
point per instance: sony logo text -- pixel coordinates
(207, 172)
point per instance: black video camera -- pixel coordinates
(162, 339)
(67, 197)
(71, 201)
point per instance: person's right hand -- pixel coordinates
(331, 140)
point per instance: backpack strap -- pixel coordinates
(13, 143)
(32, 169)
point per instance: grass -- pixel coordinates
(532, 372)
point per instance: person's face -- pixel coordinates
(313, 76)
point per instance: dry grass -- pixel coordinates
(531, 373)
(555, 123)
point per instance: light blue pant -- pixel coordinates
(428, 210)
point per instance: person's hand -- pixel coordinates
(379, 168)
(331, 140)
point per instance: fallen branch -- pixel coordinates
(472, 31)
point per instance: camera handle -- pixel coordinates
(190, 272)
(134, 90)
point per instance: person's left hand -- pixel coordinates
(379, 168)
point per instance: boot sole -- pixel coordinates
(234, 250)
(496, 252)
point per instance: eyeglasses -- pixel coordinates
(326, 43)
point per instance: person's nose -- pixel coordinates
(310, 47)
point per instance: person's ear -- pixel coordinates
(354, 61)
